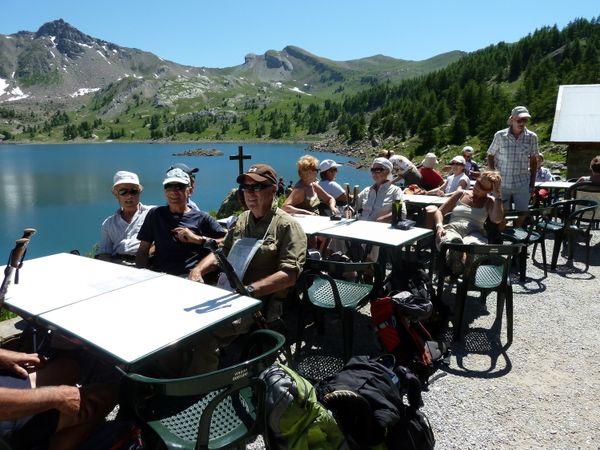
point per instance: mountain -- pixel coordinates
(59, 68)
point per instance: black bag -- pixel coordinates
(366, 398)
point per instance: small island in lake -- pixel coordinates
(200, 152)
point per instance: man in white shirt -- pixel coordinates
(119, 242)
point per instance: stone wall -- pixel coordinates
(579, 156)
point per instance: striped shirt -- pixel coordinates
(512, 156)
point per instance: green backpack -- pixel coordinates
(295, 419)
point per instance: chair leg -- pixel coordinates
(347, 332)
(509, 315)
(557, 243)
(544, 262)
(522, 263)
(461, 299)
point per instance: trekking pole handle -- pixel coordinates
(28, 232)
(18, 252)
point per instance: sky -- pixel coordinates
(221, 33)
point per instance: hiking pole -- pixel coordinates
(14, 260)
(27, 234)
(232, 277)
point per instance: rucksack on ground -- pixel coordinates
(295, 419)
(398, 323)
(367, 399)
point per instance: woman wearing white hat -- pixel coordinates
(431, 178)
(458, 178)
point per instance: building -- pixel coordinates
(577, 124)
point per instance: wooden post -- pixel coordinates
(240, 158)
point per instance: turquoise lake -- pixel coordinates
(64, 190)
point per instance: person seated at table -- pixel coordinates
(470, 209)
(471, 167)
(307, 193)
(458, 178)
(431, 178)
(177, 231)
(41, 406)
(192, 174)
(405, 170)
(274, 251)
(542, 174)
(374, 203)
(595, 168)
(328, 173)
(119, 242)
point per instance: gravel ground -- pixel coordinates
(541, 392)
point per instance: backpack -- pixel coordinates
(295, 419)
(366, 398)
(397, 321)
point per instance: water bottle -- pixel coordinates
(396, 212)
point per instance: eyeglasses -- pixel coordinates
(521, 120)
(123, 192)
(175, 187)
(254, 187)
(377, 169)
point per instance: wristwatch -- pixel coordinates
(250, 290)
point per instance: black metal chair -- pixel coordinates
(323, 287)
(570, 220)
(532, 231)
(221, 409)
(487, 270)
(587, 190)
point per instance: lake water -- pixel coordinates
(64, 190)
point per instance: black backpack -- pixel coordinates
(367, 400)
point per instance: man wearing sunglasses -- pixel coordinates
(119, 242)
(276, 252)
(177, 231)
(513, 153)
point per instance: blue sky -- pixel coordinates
(220, 33)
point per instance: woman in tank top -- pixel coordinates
(470, 210)
(307, 194)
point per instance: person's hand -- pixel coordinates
(195, 275)
(335, 211)
(19, 363)
(67, 399)
(183, 234)
(439, 193)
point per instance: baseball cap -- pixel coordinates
(458, 160)
(467, 149)
(176, 176)
(185, 168)
(327, 164)
(520, 112)
(259, 173)
(124, 177)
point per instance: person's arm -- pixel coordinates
(105, 246)
(275, 282)
(532, 171)
(491, 162)
(325, 198)
(18, 403)
(495, 205)
(205, 265)
(142, 257)
(438, 191)
(187, 236)
(295, 198)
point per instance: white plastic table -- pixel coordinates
(424, 200)
(126, 313)
(313, 224)
(554, 184)
(377, 233)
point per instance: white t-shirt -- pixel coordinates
(120, 237)
(452, 182)
(332, 188)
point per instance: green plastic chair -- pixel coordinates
(221, 409)
(572, 219)
(487, 270)
(325, 290)
(533, 231)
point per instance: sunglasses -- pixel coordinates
(175, 187)
(521, 120)
(377, 169)
(254, 187)
(123, 192)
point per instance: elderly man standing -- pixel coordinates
(513, 152)
(273, 247)
(177, 231)
(119, 242)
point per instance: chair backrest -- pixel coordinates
(483, 254)
(207, 410)
(535, 219)
(587, 190)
